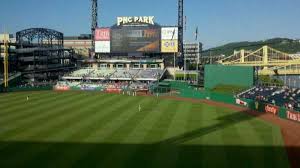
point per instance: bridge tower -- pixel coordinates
(265, 56)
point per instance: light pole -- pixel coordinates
(197, 64)
(172, 41)
(174, 66)
(184, 61)
(5, 62)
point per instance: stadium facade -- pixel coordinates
(131, 55)
(38, 54)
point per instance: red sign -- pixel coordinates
(240, 102)
(62, 88)
(113, 90)
(271, 109)
(295, 116)
(102, 34)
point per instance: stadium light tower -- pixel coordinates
(5, 62)
(180, 32)
(94, 22)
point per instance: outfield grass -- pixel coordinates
(86, 129)
(229, 89)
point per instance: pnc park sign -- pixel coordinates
(132, 20)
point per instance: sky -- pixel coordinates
(218, 21)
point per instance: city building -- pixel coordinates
(192, 51)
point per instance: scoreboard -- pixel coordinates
(135, 39)
(136, 35)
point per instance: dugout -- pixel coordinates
(216, 75)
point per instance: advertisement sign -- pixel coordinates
(271, 109)
(169, 33)
(102, 46)
(113, 90)
(295, 116)
(169, 46)
(241, 102)
(88, 88)
(102, 34)
(62, 88)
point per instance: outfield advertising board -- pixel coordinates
(102, 46)
(241, 102)
(113, 90)
(294, 116)
(62, 88)
(89, 88)
(271, 109)
(169, 46)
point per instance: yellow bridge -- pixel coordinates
(268, 61)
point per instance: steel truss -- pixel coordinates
(41, 55)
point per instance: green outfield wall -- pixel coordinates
(30, 88)
(215, 75)
(187, 91)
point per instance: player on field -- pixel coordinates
(140, 108)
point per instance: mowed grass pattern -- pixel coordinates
(89, 129)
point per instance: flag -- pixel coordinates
(196, 34)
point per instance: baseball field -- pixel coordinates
(88, 129)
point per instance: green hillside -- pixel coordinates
(282, 44)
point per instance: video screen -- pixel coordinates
(135, 39)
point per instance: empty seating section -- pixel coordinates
(81, 73)
(103, 73)
(150, 73)
(110, 80)
(121, 74)
(117, 74)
